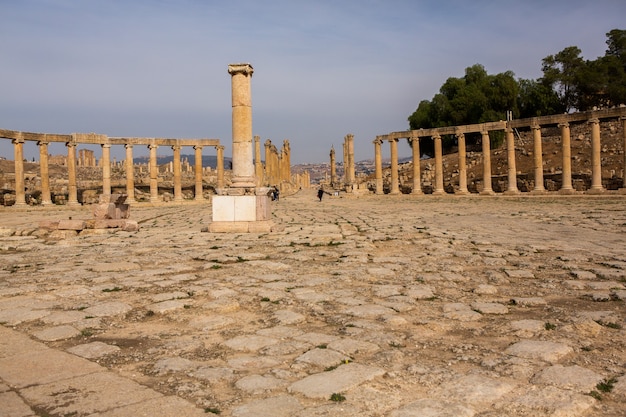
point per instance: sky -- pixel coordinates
(322, 69)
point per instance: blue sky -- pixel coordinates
(323, 69)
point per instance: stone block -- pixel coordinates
(77, 225)
(49, 224)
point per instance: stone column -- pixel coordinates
(46, 198)
(243, 169)
(333, 167)
(220, 166)
(258, 165)
(178, 189)
(538, 159)
(395, 189)
(566, 176)
(154, 174)
(130, 174)
(72, 186)
(511, 166)
(417, 178)
(20, 188)
(623, 120)
(378, 163)
(198, 172)
(438, 190)
(287, 161)
(351, 167)
(106, 168)
(487, 190)
(462, 164)
(268, 162)
(596, 163)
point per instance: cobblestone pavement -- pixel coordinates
(372, 306)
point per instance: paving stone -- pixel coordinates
(175, 295)
(352, 347)
(529, 301)
(222, 305)
(245, 363)
(57, 333)
(289, 317)
(258, 384)
(340, 380)
(316, 339)
(489, 308)
(171, 406)
(250, 343)
(549, 401)
(214, 375)
(460, 311)
(93, 350)
(168, 365)
(168, 306)
(369, 311)
(281, 406)
(433, 408)
(568, 377)
(322, 357)
(476, 389)
(485, 289)
(16, 316)
(211, 322)
(519, 273)
(538, 349)
(113, 308)
(86, 394)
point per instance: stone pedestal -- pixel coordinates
(242, 213)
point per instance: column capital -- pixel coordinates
(70, 144)
(42, 142)
(219, 147)
(195, 147)
(535, 126)
(128, 146)
(563, 124)
(460, 135)
(176, 147)
(153, 146)
(244, 68)
(437, 136)
(18, 138)
(593, 120)
(105, 145)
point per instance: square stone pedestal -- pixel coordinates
(241, 214)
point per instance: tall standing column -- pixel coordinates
(268, 162)
(439, 190)
(538, 158)
(220, 166)
(258, 165)
(130, 174)
(20, 189)
(154, 174)
(106, 168)
(72, 186)
(623, 120)
(333, 167)
(178, 189)
(243, 169)
(378, 164)
(462, 164)
(417, 178)
(487, 190)
(566, 176)
(46, 197)
(395, 188)
(198, 172)
(511, 166)
(351, 167)
(596, 163)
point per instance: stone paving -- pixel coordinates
(372, 306)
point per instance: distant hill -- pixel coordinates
(207, 160)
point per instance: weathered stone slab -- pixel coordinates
(490, 308)
(476, 389)
(93, 350)
(289, 317)
(369, 311)
(433, 408)
(568, 377)
(281, 406)
(551, 401)
(460, 311)
(351, 346)
(113, 308)
(171, 406)
(77, 225)
(538, 349)
(257, 384)
(245, 363)
(339, 380)
(250, 343)
(87, 394)
(169, 365)
(214, 375)
(11, 405)
(322, 357)
(167, 306)
(211, 322)
(519, 273)
(529, 301)
(57, 333)
(316, 339)
(13, 317)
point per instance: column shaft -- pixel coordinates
(511, 165)
(46, 198)
(487, 190)
(333, 168)
(20, 185)
(462, 164)
(395, 188)
(438, 166)
(106, 169)
(178, 189)
(596, 163)
(258, 165)
(72, 187)
(243, 168)
(130, 174)
(538, 158)
(154, 174)
(566, 176)
(378, 164)
(198, 172)
(417, 178)
(220, 166)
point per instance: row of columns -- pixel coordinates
(438, 188)
(46, 199)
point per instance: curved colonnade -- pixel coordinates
(592, 118)
(71, 141)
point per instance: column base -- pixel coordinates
(461, 192)
(512, 192)
(487, 192)
(241, 213)
(595, 191)
(538, 191)
(567, 191)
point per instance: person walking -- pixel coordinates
(320, 193)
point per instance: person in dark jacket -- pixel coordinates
(320, 193)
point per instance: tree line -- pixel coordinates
(569, 83)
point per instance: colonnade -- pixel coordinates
(277, 164)
(72, 141)
(592, 118)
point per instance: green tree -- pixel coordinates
(537, 99)
(560, 72)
